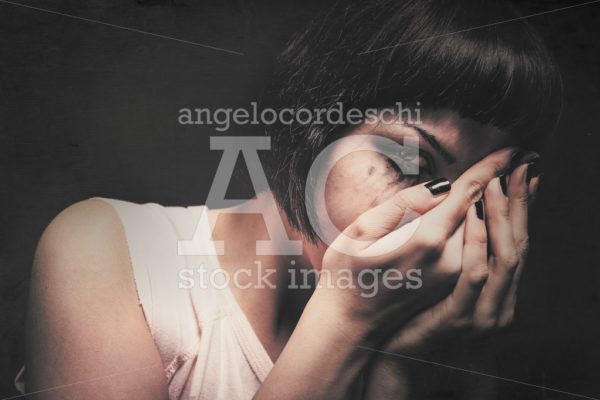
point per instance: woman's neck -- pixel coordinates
(264, 289)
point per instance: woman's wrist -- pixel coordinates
(355, 318)
(338, 330)
(324, 353)
(337, 312)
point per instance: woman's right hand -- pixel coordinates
(326, 352)
(432, 243)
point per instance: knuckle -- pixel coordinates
(402, 203)
(522, 198)
(454, 269)
(362, 228)
(479, 275)
(450, 270)
(484, 325)
(479, 239)
(504, 212)
(506, 319)
(523, 245)
(474, 190)
(433, 243)
(499, 213)
(510, 262)
(499, 166)
(463, 322)
(359, 229)
(499, 162)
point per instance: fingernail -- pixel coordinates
(479, 208)
(438, 186)
(515, 159)
(533, 170)
(504, 185)
(522, 157)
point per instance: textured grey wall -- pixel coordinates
(91, 110)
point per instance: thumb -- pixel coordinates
(398, 210)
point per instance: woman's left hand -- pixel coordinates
(484, 298)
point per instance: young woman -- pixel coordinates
(113, 313)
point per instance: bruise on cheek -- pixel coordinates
(387, 182)
(358, 182)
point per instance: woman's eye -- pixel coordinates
(401, 165)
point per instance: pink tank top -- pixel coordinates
(208, 348)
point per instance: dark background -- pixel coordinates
(91, 110)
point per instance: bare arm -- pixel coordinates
(86, 336)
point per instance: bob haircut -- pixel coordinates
(452, 54)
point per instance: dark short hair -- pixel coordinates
(442, 53)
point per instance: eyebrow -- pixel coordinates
(433, 142)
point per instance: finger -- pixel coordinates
(401, 208)
(518, 194)
(449, 262)
(474, 259)
(456, 309)
(533, 177)
(504, 259)
(438, 224)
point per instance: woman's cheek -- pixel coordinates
(358, 182)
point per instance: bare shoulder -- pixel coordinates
(84, 321)
(84, 247)
(88, 229)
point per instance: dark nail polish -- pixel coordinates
(438, 186)
(533, 170)
(515, 159)
(504, 185)
(522, 157)
(479, 208)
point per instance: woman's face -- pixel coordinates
(362, 179)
